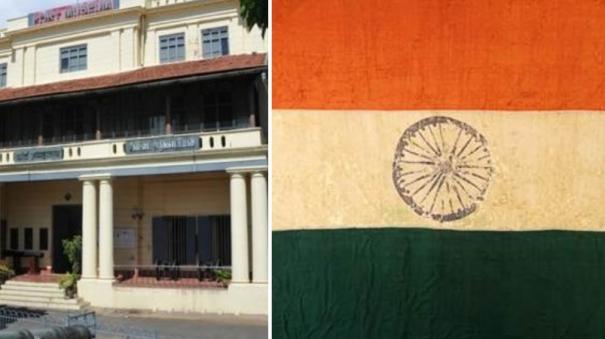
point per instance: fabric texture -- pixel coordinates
(420, 283)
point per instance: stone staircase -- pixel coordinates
(38, 295)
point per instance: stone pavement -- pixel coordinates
(170, 325)
(145, 325)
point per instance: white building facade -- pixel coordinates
(141, 126)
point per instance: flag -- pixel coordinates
(437, 169)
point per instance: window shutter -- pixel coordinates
(191, 255)
(160, 237)
(205, 247)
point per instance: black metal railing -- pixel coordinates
(208, 273)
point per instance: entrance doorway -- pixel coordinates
(67, 223)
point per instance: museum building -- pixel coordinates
(141, 126)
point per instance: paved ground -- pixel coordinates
(188, 326)
(166, 325)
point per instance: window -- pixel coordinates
(190, 240)
(172, 48)
(215, 42)
(218, 109)
(157, 125)
(14, 239)
(73, 58)
(29, 238)
(3, 75)
(43, 239)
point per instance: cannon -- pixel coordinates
(71, 332)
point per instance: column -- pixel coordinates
(168, 115)
(3, 246)
(258, 188)
(2, 203)
(239, 230)
(105, 229)
(89, 229)
(98, 134)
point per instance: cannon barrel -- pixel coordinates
(71, 332)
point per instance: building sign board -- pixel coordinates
(39, 154)
(72, 11)
(163, 144)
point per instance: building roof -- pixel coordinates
(219, 65)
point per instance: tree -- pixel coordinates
(255, 12)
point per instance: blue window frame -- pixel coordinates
(215, 42)
(3, 73)
(74, 58)
(172, 48)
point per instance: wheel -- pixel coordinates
(442, 168)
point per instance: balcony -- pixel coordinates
(124, 148)
(159, 3)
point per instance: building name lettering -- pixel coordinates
(72, 11)
(164, 144)
(39, 154)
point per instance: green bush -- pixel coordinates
(69, 282)
(5, 273)
(72, 248)
(223, 276)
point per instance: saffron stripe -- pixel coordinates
(439, 54)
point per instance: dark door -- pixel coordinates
(67, 223)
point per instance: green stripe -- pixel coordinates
(418, 283)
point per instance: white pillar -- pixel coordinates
(239, 230)
(258, 188)
(89, 229)
(105, 229)
(2, 202)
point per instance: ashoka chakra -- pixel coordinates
(442, 168)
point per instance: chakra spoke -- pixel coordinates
(465, 145)
(479, 176)
(426, 183)
(418, 162)
(467, 181)
(428, 144)
(432, 186)
(483, 157)
(470, 196)
(459, 198)
(435, 140)
(472, 166)
(437, 193)
(442, 138)
(417, 154)
(418, 179)
(456, 143)
(428, 153)
(473, 160)
(412, 172)
(471, 153)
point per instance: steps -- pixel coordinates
(38, 296)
